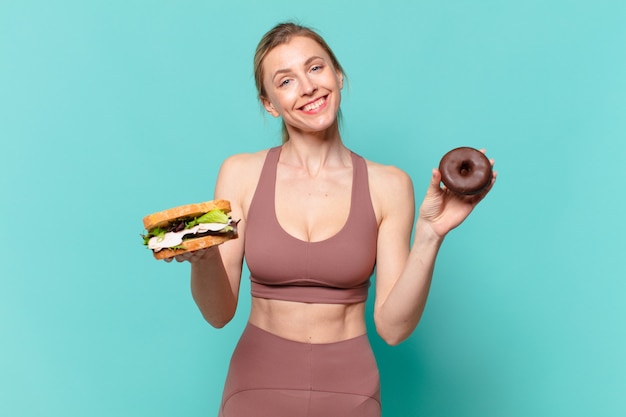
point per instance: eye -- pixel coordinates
(316, 68)
(284, 82)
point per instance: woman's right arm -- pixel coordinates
(216, 271)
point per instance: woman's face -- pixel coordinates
(302, 86)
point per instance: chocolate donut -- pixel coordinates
(465, 171)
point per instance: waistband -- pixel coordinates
(262, 335)
(310, 294)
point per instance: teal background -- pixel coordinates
(110, 110)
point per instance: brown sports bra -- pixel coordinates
(336, 270)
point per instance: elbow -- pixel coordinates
(392, 335)
(218, 321)
(392, 339)
(218, 324)
(395, 341)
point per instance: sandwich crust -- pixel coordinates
(161, 218)
(192, 245)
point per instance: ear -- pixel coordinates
(269, 107)
(340, 78)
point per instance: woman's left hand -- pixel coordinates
(445, 210)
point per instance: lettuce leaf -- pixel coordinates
(157, 231)
(213, 216)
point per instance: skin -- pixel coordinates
(314, 175)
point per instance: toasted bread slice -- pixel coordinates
(192, 245)
(161, 218)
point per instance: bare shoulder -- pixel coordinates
(390, 188)
(388, 179)
(243, 163)
(238, 177)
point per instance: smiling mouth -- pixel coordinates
(314, 105)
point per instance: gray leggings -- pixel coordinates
(270, 376)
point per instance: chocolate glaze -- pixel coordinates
(465, 171)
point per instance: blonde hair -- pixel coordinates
(279, 35)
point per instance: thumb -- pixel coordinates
(435, 180)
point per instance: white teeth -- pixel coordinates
(314, 105)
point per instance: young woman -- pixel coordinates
(315, 220)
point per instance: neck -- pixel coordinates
(329, 134)
(314, 151)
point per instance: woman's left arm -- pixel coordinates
(404, 272)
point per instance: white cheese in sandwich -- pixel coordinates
(171, 239)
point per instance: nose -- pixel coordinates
(307, 86)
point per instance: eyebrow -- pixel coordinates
(306, 63)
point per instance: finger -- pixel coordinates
(181, 258)
(484, 152)
(435, 179)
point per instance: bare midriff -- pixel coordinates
(309, 322)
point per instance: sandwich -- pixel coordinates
(188, 228)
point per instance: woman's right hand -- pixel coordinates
(192, 257)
